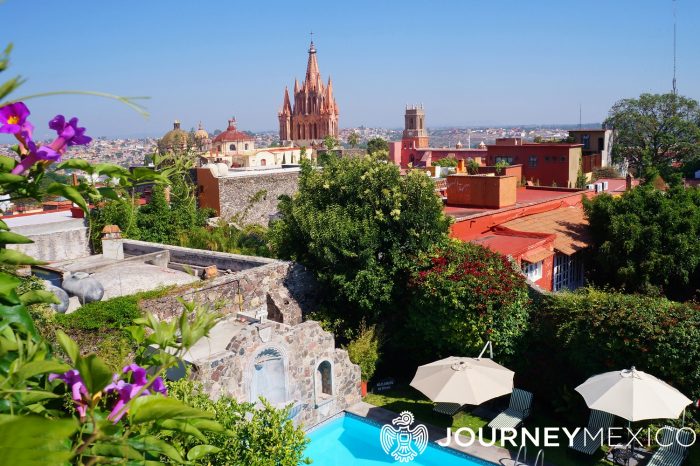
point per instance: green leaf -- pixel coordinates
(40, 367)
(75, 164)
(7, 163)
(69, 192)
(68, 345)
(183, 426)
(201, 451)
(207, 425)
(153, 444)
(94, 373)
(108, 193)
(110, 170)
(29, 441)
(32, 396)
(7, 237)
(10, 256)
(10, 178)
(3, 225)
(39, 296)
(115, 451)
(9, 284)
(18, 314)
(157, 407)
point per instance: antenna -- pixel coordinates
(579, 116)
(675, 91)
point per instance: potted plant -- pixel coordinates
(364, 351)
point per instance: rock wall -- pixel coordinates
(235, 193)
(304, 348)
(59, 245)
(245, 291)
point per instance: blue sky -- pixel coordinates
(469, 62)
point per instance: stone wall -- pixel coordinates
(304, 348)
(236, 191)
(59, 241)
(246, 291)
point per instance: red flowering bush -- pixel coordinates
(465, 295)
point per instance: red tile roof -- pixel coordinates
(569, 224)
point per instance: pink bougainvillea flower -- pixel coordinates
(13, 119)
(79, 393)
(126, 391)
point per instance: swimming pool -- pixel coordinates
(352, 441)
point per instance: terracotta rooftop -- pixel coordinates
(569, 224)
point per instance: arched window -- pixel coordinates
(246, 147)
(232, 147)
(324, 380)
(263, 162)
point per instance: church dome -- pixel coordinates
(175, 139)
(232, 134)
(201, 133)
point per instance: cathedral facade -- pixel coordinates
(315, 112)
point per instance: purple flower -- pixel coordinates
(126, 391)
(79, 393)
(13, 119)
(69, 132)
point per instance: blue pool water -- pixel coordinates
(351, 441)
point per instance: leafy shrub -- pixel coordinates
(464, 296)
(224, 237)
(446, 162)
(580, 334)
(647, 240)
(269, 438)
(364, 351)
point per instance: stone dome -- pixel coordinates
(173, 140)
(201, 133)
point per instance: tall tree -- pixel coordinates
(654, 131)
(647, 241)
(358, 226)
(377, 144)
(353, 139)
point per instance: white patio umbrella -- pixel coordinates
(633, 395)
(463, 380)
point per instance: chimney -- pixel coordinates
(460, 166)
(112, 243)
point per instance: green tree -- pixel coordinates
(354, 139)
(364, 351)
(655, 130)
(647, 240)
(358, 226)
(330, 142)
(377, 144)
(463, 296)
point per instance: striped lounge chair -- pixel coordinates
(517, 411)
(589, 443)
(674, 453)
(449, 409)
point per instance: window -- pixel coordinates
(586, 141)
(232, 147)
(568, 272)
(263, 162)
(501, 158)
(532, 271)
(532, 161)
(562, 158)
(601, 143)
(246, 147)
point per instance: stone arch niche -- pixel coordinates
(268, 376)
(323, 382)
